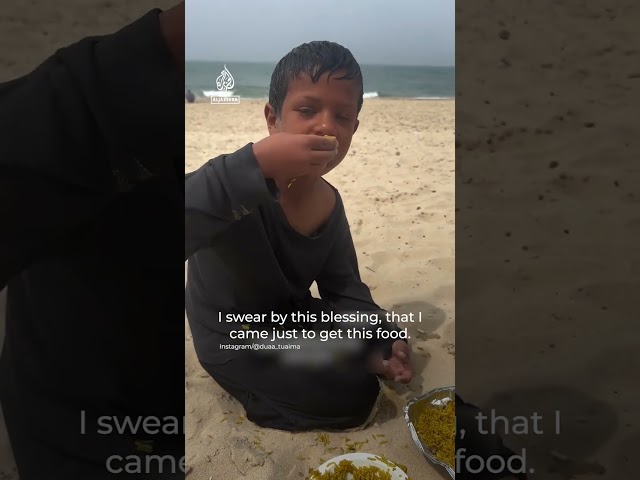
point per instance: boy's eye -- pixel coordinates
(305, 111)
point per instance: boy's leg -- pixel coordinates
(298, 398)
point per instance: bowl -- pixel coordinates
(364, 460)
(414, 408)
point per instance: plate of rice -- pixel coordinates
(358, 466)
(431, 419)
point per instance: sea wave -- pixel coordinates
(432, 98)
(217, 93)
(256, 93)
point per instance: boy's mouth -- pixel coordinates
(331, 136)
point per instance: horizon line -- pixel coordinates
(276, 61)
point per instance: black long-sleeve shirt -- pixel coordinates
(246, 258)
(91, 211)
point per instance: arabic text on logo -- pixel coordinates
(225, 81)
(225, 84)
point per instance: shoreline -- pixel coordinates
(366, 100)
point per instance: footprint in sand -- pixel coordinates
(432, 316)
(358, 226)
(387, 410)
(244, 455)
(379, 259)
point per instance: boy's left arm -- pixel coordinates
(339, 282)
(343, 291)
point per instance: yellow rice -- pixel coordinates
(436, 428)
(346, 467)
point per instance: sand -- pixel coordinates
(397, 183)
(547, 121)
(32, 31)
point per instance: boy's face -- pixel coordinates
(322, 108)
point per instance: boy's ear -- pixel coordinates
(270, 117)
(355, 128)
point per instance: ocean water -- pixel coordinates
(251, 80)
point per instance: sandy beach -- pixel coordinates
(397, 183)
(547, 158)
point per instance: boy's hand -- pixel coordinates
(398, 367)
(283, 156)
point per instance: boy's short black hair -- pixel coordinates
(314, 59)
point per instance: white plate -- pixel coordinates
(364, 460)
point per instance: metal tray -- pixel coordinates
(412, 411)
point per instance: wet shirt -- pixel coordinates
(245, 257)
(91, 211)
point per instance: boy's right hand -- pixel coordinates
(398, 367)
(283, 156)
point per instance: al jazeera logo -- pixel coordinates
(224, 84)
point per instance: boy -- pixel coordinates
(262, 225)
(90, 206)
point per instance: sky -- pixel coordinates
(405, 32)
